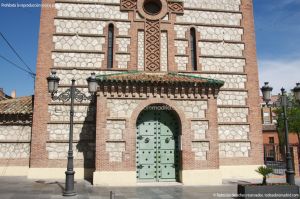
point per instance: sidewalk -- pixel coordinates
(22, 188)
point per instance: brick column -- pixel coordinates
(39, 156)
(101, 159)
(212, 134)
(251, 69)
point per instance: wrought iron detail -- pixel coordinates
(66, 96)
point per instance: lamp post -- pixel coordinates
(72, 94)
(266, 91)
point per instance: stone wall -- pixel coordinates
(115, 129)
(88, 27)
(121, 108)
(222, 65)
(211, 33)
(200, 149)
(122, 61)
(234, 149)
(212, 18)
(15, 141)
(231, 81)
(78, 60)
(164, 52)
(232, 98)
(193, 109)
(141, 50)
(15, 133)
(81, 151)
(90, 11)
(234, 132)
(199, 129)
(232, 115)
(123, 44)
(60, 113)
(221, 49)
(230, 5)
(14, 150)
(181, 62)
(80, 76)
(115, 150)
(78, 43)
(60, 132)
(181, 47)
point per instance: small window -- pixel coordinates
(110, 46)
(271, 140)
(152, 7)
(193, 44)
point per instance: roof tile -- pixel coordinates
(20, 105)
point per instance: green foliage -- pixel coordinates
(265, 172)
(293, 115)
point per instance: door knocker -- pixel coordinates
(167, 140)
(147, 140)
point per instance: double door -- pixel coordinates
(157, 146)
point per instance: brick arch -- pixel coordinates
(184, 132)
(181, 115)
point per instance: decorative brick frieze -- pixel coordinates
(234, 132)
(128, 4)
(234, 149)
(152, 46)
(176, 7)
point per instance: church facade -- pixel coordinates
(178, 97)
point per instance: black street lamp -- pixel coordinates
(284, 102)
(70, 94)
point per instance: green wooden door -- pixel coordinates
(157, 146)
